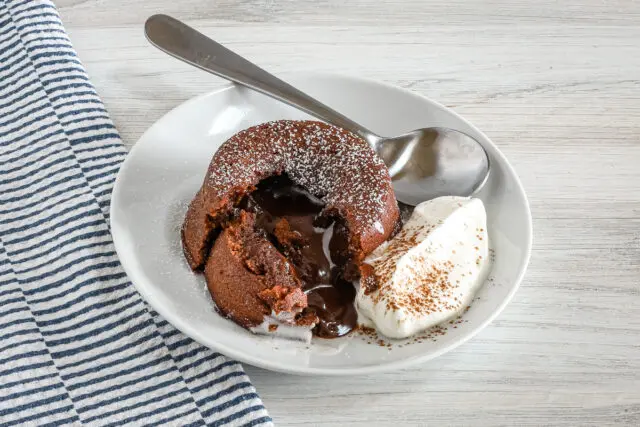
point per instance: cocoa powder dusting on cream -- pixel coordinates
(434, 289)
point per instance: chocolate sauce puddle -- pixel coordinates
(286, 212)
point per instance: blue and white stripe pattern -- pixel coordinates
(77, 343)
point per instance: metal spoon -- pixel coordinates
(423, 163)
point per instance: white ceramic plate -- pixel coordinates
(167, 165)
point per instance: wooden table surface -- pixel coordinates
(556, 84)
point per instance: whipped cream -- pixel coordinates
(430, 271)
(281, 326)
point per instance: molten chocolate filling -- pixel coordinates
(287, 212)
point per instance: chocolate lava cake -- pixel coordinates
(285, 216)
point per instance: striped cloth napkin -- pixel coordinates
(77, 343)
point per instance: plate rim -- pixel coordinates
(178, 323)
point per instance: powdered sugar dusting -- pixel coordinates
(330, 162)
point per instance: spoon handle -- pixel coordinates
(183, 42)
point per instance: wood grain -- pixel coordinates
(556, 84)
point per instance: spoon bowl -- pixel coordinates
(432, 162)
(423, 164)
